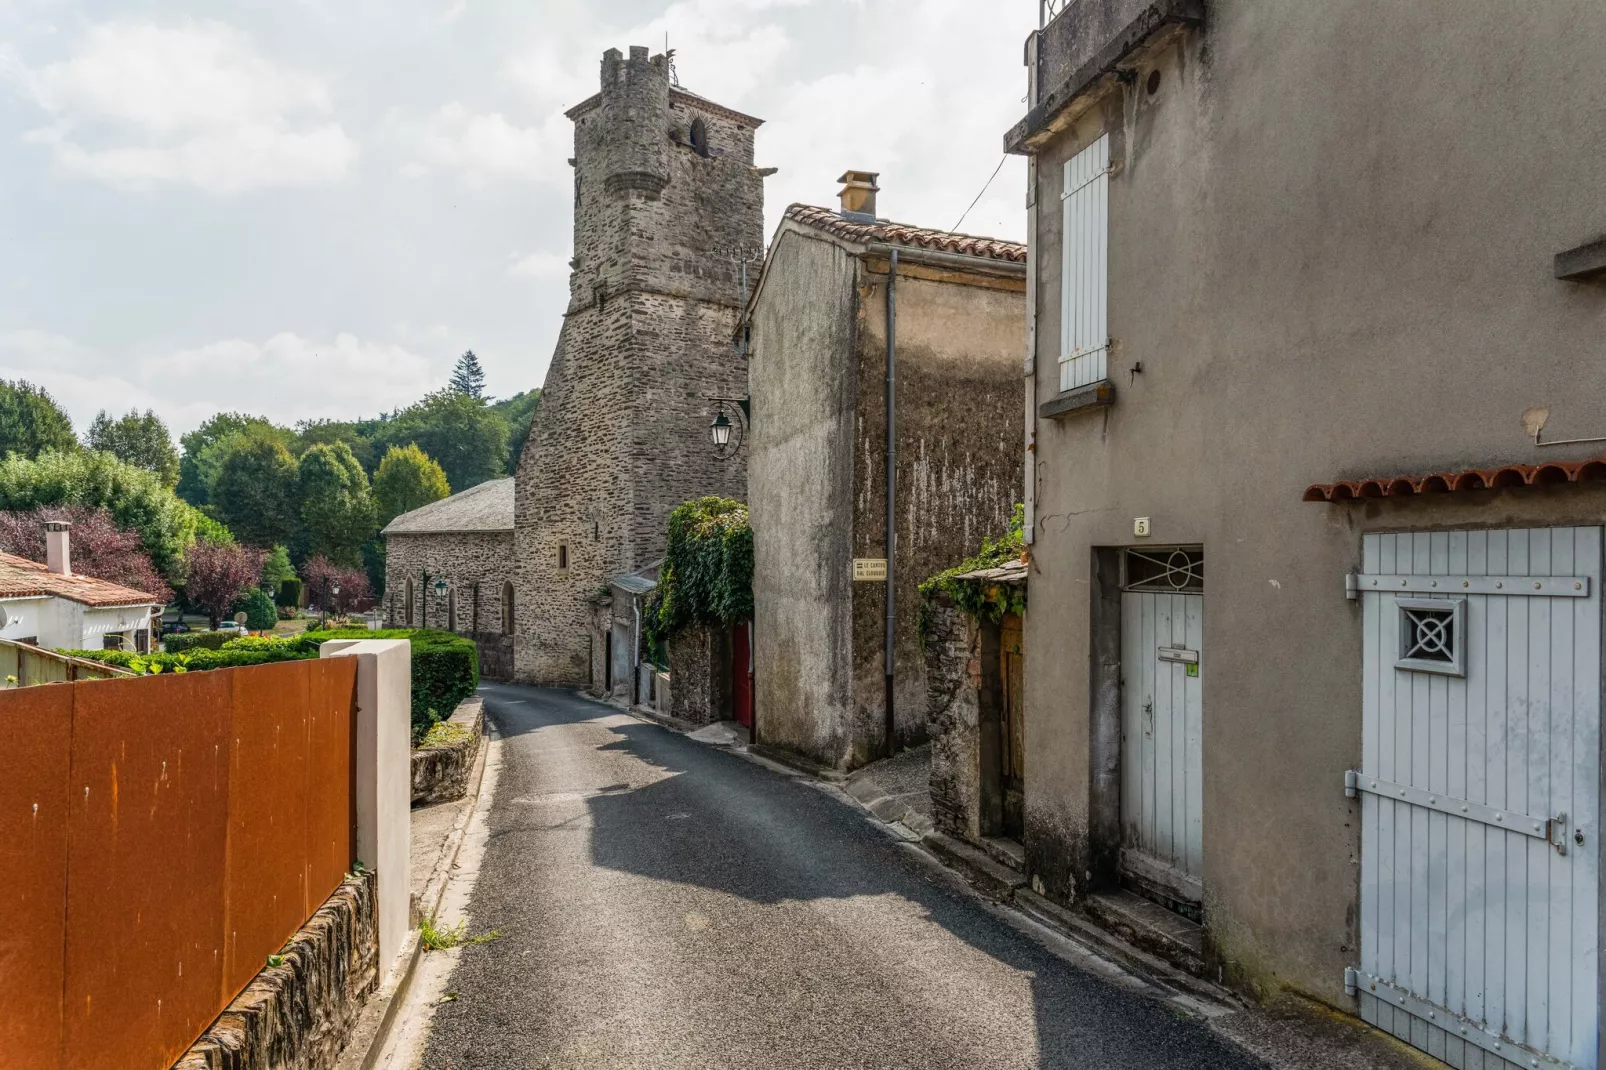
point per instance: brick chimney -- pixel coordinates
(58, 557)
(858, 195)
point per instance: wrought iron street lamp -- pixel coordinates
(729, 434)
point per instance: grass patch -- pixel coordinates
(444, 734)
(444, 938)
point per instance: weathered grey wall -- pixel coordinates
(1330, 245)
(953, 702)
(959, 426)
(661, 234)
(801, 508)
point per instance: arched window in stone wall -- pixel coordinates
(408, 616)
(507, 609)
(699, 137)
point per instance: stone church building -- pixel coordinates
(668, 233)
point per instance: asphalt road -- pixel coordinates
(665, 904)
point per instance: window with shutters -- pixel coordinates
(1084, 326)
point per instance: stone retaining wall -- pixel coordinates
(298, 1015)
(440, 774)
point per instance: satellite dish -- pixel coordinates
(4, 620)
(240, 618)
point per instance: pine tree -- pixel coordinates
(468, 377)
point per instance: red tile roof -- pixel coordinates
(947, 241)
(21, 578)
(1511, 475)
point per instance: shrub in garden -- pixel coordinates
(257, 605)
(707, 577)
(177, 644)
(289, 596)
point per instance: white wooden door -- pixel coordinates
(1480, 794)
(1162, 713)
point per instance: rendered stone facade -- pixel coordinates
(818, 471)
(668, 228)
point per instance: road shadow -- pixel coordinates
(707, 818)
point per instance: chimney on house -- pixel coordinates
(858, 195)
(58, 557)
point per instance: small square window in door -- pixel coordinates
(1432, 635)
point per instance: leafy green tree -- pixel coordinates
(358, 435)
(141, 439)
(256, 492)
(276, 568)
(31, 422)
(137, 499)
(467, 438)
(519, 412)
(337, 506)
(408, 478)
(206, 446)
(468, 377)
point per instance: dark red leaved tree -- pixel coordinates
(97, 547)
(321, 576)
(217, 575)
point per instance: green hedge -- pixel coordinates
(707, 576)
(446, 667)
(289, 594)
(197, 660)
(179, 642)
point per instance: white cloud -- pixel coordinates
(141, 104)
(543, 267)
(488, 147)
(286, 377)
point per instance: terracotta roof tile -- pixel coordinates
(21, 578)
(1511, 475)
(882, 230)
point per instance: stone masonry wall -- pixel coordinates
(700, 673)
(661, 236)
(476, 565)
(298, 1015)
(953, 704)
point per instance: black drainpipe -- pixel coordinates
(892, 488)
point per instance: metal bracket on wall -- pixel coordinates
(1550, 829)
(1514, 586)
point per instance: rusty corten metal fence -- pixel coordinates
(160, 836)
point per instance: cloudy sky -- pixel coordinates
(308, 208)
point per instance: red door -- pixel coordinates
(742, 672)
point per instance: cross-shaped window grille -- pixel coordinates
(1431, 635)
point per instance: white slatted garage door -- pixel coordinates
(1480, 790)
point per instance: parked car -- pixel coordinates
(174, 627)
(230, 626)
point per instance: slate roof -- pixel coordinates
(487, 507)
(21, 578)
(882, 230)
(1511, 475)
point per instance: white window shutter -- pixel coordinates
(1084, 322)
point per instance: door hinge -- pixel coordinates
(1352, 980)
(1352, 586)
(1556, 833)
(1352, 779)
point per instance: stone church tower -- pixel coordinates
(668, 212)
